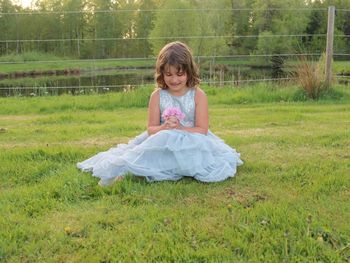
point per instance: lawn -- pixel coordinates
(41, 62)
(288, 203)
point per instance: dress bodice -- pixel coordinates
(185, 102)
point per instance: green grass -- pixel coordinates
(29, 57)
(34, 61)
(338, 67)
(75, 64)
(342, 67)
(224, 96)
(44, 61)
(288, 203)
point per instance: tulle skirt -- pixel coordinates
(166, 155)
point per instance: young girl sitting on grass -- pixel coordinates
(177, 142)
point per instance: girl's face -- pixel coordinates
(174, 79)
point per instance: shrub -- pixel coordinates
(311, 76)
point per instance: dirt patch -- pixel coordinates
(246, 198)
(17, 117)
(100, 142)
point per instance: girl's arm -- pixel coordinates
(202, 119)
(154, 125)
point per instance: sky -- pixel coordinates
(24, 3)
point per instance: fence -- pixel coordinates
(216, 62)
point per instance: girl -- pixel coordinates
(177, 142)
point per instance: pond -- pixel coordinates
(116, 80)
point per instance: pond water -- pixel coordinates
(115, 80)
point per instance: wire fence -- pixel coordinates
(159, 10)
(154, 58)
(163, 37)
(220, 69)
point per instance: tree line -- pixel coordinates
(139, 28)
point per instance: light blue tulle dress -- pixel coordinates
(168, 154)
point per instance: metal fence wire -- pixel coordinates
(221, 66)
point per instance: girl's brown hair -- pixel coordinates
(176, 54)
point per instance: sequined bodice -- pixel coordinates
(185, 102)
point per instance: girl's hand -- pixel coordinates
(172, 123)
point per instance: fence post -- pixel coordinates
(329, 48)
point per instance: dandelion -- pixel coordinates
(320, 238)
(68, 230)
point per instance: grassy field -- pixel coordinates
(288, 203)
(33, 61)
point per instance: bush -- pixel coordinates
(311, 76)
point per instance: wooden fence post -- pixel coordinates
(329, 48)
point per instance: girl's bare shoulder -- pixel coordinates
(200, 94)
(155, 94)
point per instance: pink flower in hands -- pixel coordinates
(173, 112)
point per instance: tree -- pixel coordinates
(103, 26)
(143, 27)
(7, 26)
(127, 16)
(73, 20)
(318, 25)
(175, 21)
(41, 24)
(274, 17)
(214, 22)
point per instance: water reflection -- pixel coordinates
(112, 80)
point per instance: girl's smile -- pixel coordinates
(175, 80)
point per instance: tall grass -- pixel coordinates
(311, 76)
(260, 93)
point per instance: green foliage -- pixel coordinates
(193, 27)
(213, 22)
(274, 26)
(174, 24)
(129, 28)
(276, 209)
(318, 25)
(240, 23)
(105, 26)
(144, 25)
